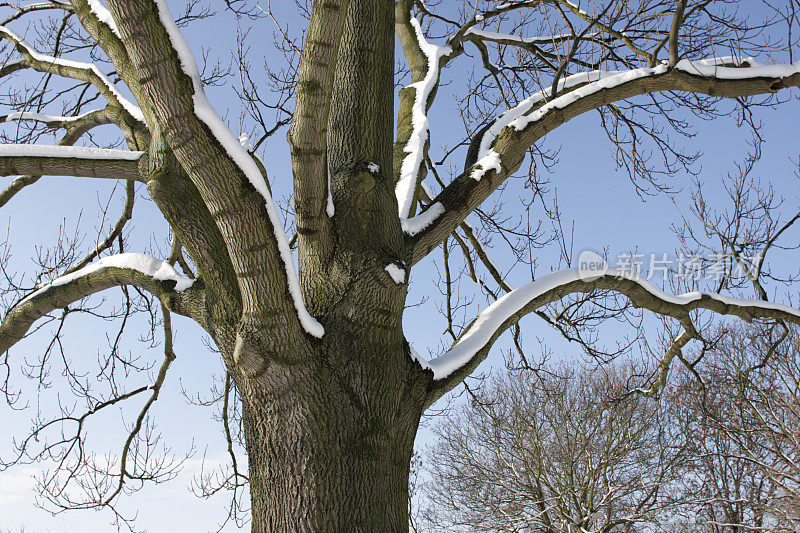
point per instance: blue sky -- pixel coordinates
(606, 211)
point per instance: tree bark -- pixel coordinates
(329, 441)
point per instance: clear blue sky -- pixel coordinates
(604, 206)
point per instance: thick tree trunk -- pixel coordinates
(330, 423)
(329, 445)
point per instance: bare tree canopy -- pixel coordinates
(304, 299)
(740, 429)
(553, 451)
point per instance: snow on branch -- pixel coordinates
(149, 266)
(239, 155)
(415, 147)
(506, 38)
(73, 69)
(500, 154)
(145, 272)
(471, 347)
(50, 120)
(103, 15)
(72, 152)
(78, 161)
(585, 84)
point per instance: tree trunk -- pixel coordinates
(329, 445)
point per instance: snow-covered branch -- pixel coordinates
(147, 273)
(427, 57)
(78, 161)
(473, 345)
(503, 145)
(74, 131)
(530, 43)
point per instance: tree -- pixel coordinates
(561, 452)
(739, 425)
(331, 392)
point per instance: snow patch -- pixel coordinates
(76, 152)
(414, 225)
(206, 113)
(244, 140)
(374, 168)
(490, 161)
(713, 68)
(397, 273)
(104, 15)
(522, 40)
(415, 147)
(330, 209)
(30, 115)
(150, 266)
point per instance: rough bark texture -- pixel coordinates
(329, 451)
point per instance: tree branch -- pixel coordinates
(426, 61)
(75, 130)
(503, 145)
(473, 346)
(75, 70)
(147, 273)
(20, 159)
(227, 178)
(308, 134)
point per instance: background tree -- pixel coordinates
(557, 451)
(739, 425)
(319, 368)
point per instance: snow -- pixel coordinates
(604, 81)
(330, 209)
(490, 161)
(415, 147)
(29, 115)
(712, 68)
(129, 106)
(414, 225)
(418, 358)
(77, 152)
(104, 15)
(206, 113)
(145, 264)
(374, 168)
(522, 40)
(397, 273)
(488, 321)
(518, 117)
(244, 140)
(521, 116)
